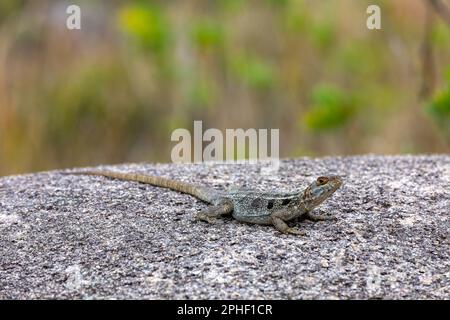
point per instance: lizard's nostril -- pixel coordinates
(338, 179)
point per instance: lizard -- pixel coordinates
(265, 208)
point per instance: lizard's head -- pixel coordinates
(322, 188)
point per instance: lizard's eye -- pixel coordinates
(322, 180)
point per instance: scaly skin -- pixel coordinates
(246, 206)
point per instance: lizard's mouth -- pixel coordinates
(335, 182)
(339, 181)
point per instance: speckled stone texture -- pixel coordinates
(88, 237)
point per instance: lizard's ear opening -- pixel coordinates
(322, 180)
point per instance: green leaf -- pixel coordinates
(202, 94)
(331, 108)
(254, 71)
(323, 35)
(147, 25)
(440, 106)
(208, 34)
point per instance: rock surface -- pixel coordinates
(65, 236)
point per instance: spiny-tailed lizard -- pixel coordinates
(267, 208)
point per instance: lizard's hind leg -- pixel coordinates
(225, 207)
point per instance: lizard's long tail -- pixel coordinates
(201, 193)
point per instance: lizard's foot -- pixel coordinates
(202, 216)
(210, 215)
(282, 226)
(296, 231)
(319, 217)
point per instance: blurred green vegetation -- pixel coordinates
(331, 108)
(439, 107)
(8, 7)
(253, 71)
(208, 34)
(114, 90)
(148, 25)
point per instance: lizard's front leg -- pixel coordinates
(279, 219)
(318, 217)
(211, 214)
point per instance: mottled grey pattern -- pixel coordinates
(92, 237)
(252, 204)
(271, 207)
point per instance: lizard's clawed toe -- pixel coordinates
(296, 232)
(201, 216)
(320, 217)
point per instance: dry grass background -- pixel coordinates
(114, 91)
